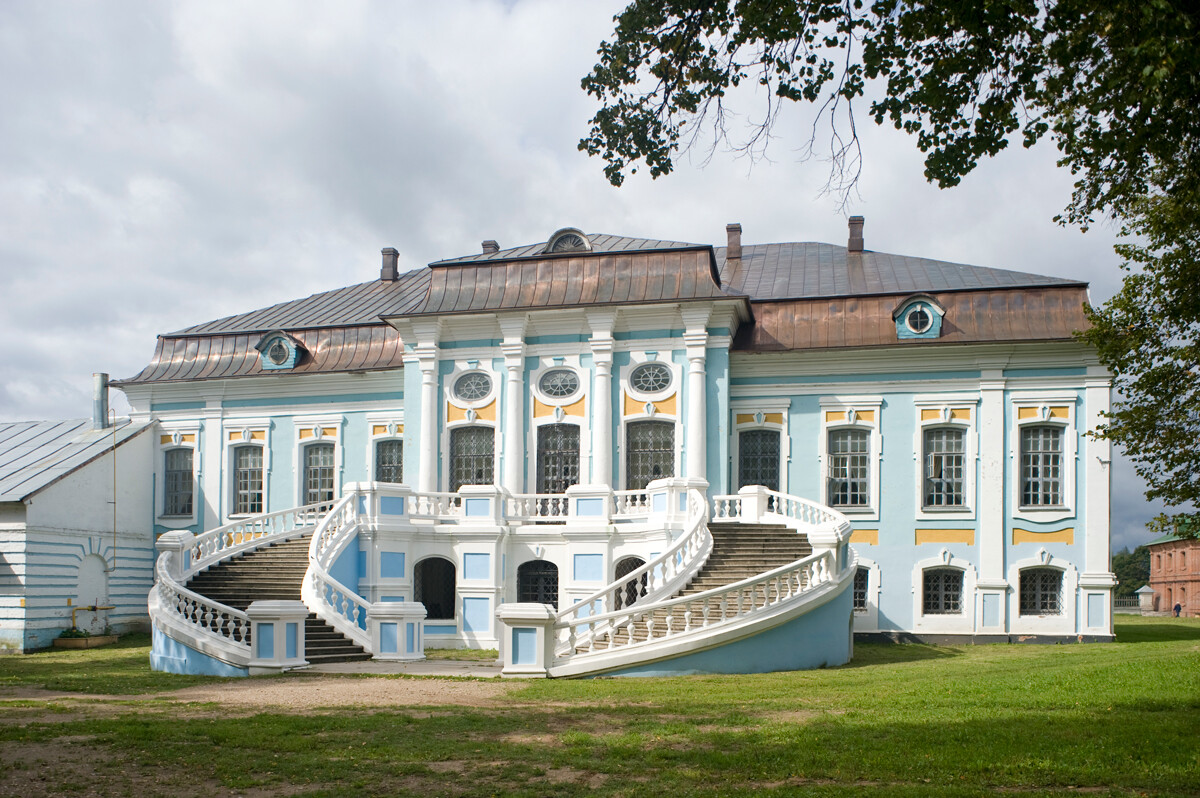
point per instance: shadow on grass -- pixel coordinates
(1164, 631)
(874, 654)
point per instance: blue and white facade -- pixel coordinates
(940, 409)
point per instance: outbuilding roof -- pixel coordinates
(35, 454)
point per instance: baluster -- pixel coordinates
(687, 618)
(704, 612)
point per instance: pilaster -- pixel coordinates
(602, 323)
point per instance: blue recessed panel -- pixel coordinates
(441, 629)
(391, 599)
(589, 567)
(658, 502)
(391, 505)
(264, 643)
(524, 646)
(410, 637)
(387, 638)
(1095, 610)
(991, 609)
(477, 615)
(291, 643)
(477, 508)
(477, 566)
(362, 505)
(590, 507)
(391, 565)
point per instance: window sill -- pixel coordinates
(1044, 513)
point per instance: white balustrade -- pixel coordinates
(333, 602)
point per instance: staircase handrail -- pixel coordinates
(665, 574)
(247, 534)
(773, 502)
(788, 584)
(208, 626)
(333, 602)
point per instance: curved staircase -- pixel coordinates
(275, 572)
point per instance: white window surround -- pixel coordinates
(460, 370)
(1061, 624)
(868, 621)
(853, 421)
(471, 407)
(394, 431)
(177, 431)
(760, 408)
(565, 417)
(244, 430)
(945, 405)
(1043, 403)
(674, 389)
(311, 425)
(960, 623)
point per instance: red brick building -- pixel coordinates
(1175, 574)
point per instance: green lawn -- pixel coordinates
(1107, 719)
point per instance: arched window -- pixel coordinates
(472, 456)
(634, 589)
(433, 586)
(942, 591)
(247, 480)
(649, 452)
(758, 458)
(537, 582)
(1041, 591)
(318, 473)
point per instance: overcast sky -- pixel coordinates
(162, 164)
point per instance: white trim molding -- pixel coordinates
(961, 622)
(863, 413)
(949, 411)
(1050, 409)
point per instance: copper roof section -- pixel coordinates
(601, 242)
(572, 280)
(327, 350)
(1031, 314)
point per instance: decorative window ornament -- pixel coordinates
(278, 350)
(391, 428)
(918, 316)
(759, 417)
(1044, 412)
(278, 353)
(559, 414)
(176, 438)
(472, 415)
(568, 239)
(245, 433)
(650, 378)
(945, 555)
(559, 383)
(852, 416)
(945, 413)
(318, 433)
(1043, 556)
(650, 409)
(472, 386)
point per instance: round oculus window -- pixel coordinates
(919, 319)
(278, 352)
(473, 385)
(650, 378)
(559, 383)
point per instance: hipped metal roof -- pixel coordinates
(803, 295)
(35, 454)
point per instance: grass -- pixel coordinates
(1116, 719)
(463, 654)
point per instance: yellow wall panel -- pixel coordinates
(870, 536)
(1057, 536)
(946, 536)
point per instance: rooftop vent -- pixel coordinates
(99, 400)
(856, 235)
(490, 247)
(568, 239)
(734, 234)
(390, 270)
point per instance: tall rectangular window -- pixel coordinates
(318, 473)
(177, 482)
(472, 456)
(1041, 466)
(758, 458)
(849, 468)
(247, 480)
(389, 461)
(944, 456)
(942, 591)
(649, 452)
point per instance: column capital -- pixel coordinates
(602, 321)
(514, 353)
(695, 317)
(512, 327)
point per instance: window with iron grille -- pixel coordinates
(862, 578)
(389, 461)
(557, 457)
(758, 458)
(318, 473)
(433, 586)
(944, 457)
(247, 480)
(943, 591)
(537, 582)
(472, 456)
(635, 588)
(649, 452)
(1041, 466)
(1041, 591)
(177, 482)
(849, 468)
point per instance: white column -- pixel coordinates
(992, 450)
(427, 474)
(514, 427)
(695, 338)
(1098, 473)
(602, 472)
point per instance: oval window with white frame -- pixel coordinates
(650, 378)
(278, 353)
(559, 383)
(918, 319)
(472, 386)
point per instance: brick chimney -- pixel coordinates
(734, 249)
(490, 247)
(390, 270)
(856, 235)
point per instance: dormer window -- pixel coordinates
(568, 239)
(918, 316)
(278, 350)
